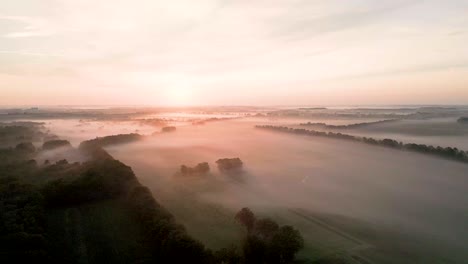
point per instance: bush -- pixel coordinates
(229, 164)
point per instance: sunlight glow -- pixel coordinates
(179, 94)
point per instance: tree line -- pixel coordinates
(110, 140)
(350, 126)
(447, 152)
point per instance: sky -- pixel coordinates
(226, 52)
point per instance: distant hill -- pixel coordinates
(350, 126)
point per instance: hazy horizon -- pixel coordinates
(330, 106)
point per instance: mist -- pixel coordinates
(367, 201)
(234, 132)
(384, 189)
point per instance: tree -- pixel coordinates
(229, 164)
(54, 144)
(246, 217)
(285, 244)
(254, 250)
(266, 228)
(168, 129)
(27, 147)
(229, 255)
(266, 241)
(201, 168)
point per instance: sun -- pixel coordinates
(179, 95)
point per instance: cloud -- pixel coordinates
(34, 27)
(27, 53)
(211, 44)
(456, 32)
(305, 26)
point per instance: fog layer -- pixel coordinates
(408, 193)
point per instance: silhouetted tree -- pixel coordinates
(27, 147)
(254, 250)
(267, 242)
(168, 129)
(53, 144)
(229, 255)
(229, 164)
(201, 168)
(448, 152)
(285, 244)
(246, 217)
(266, 228)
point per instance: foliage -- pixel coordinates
(14, 133)
(266, 228)
(246, 217)
(229, 255)
(229, 164)
(168, 129)
(22, 225)
(350, 126)
(70, 186)
(16, 163)
(26, 147)
(157, 122)
(201, 168)
(54, 144)
(101, 180)
(266, 241)
(447, 152)
(284, 244)
(110, 140)
(169, 241)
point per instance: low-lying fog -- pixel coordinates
(444, 132)
(417, 195)
(387, 205)
(79, 130)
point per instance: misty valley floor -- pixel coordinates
(378, 204)
(363, 203)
